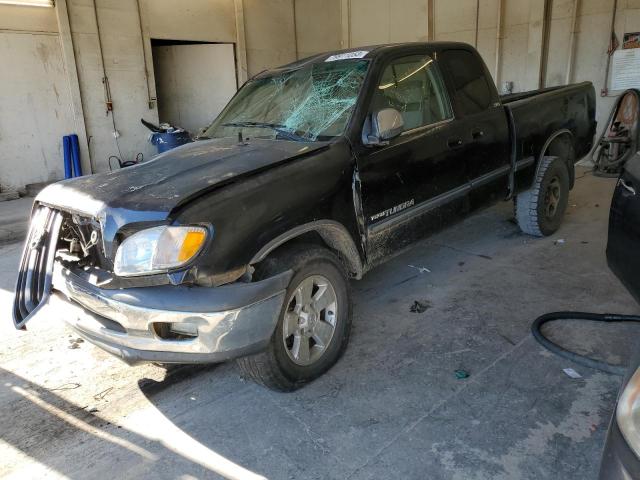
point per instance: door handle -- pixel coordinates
(477, 134)
(454, 143)
(628, 186)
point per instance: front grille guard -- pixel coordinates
(36, 267)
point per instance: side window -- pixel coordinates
(412, 85)
(467, 73)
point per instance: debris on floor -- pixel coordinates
(420, 306)
(462, 374)
(560, 241)
(66, 386)
(102, 394)
(570, 372)
(75, 342)
(421, 269)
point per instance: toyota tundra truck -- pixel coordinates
(241, 245)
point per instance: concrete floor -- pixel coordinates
(391, 408)
(14, 216)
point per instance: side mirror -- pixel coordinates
(385, 125)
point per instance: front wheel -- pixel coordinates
(314, 323)
(540, 210)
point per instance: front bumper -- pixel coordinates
(232, 320)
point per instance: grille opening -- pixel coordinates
(34, 276)
(80, 242)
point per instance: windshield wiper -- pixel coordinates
(279, 128)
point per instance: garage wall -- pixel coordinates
(35, 113)
(270, 33)
(591, 43)
(34, 96)
(197, 20)
(30, 19)
(387, 21)
(120, 45)
(126, 30)
(265, 33)
(194, 82)
(521, 55)
(318, 26)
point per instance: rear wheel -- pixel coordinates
(540, 210)
(314, 323)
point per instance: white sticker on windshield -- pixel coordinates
(345, 56)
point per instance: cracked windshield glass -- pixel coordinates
(310, 103)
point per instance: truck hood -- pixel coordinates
(149, 191)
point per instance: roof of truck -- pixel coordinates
(368, 51)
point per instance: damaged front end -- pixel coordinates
(65, 273)
(56, 237)
(33, 285)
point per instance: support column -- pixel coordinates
(535, 44)
(345, 22)
(147, 56)
(431, 33)
(241, 44)
(68, 54)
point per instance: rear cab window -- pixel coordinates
(468, 77)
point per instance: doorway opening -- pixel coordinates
(194, 81)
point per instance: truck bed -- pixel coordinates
(538, 116)
(512, 97)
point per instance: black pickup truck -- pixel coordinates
(241, 244)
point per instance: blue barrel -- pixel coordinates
(166, 141)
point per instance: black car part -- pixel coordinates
(619, 139)
(126, 163)
(583, 360)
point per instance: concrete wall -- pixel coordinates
(521, 58)
(194, 82)
(35, 108)
(270, 33)
(266, 37)
(265, 33)
(122, 51)
(30, 19)
(318, 26)
(199, 20)
(34, 96)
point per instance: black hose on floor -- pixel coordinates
(583, 360)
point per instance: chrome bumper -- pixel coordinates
(231, 320)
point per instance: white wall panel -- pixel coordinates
(35, 109)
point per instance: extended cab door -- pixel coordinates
(417, 181)
(481, 125)
(623, 246)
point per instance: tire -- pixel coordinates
(278, 367)
(540, 210)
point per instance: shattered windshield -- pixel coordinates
(311, 103)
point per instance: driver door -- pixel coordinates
(416, 182)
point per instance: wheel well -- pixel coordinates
(331, 235)
(561, 146)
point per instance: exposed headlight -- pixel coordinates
(628, 413)
(158, 249)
